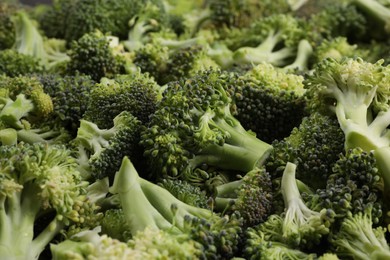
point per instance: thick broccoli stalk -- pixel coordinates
(301, 225)
(147, 205)
(358, 239)
(36, 181)
(376, 10)
(275, 31)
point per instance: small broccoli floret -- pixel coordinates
(7, 28)
(336, 48)
(193, 126)
(92, 55)
(263, 242)
(100, 151)
(278, 37)
(37, 180)
(70, 95)
(314, 146)
(137, 93)
(13, 63)
(147, 205)
(358, 239)
(275, 97)
(251, 196)
(354, 186)
(114, 225)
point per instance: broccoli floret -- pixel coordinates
(100, 151)
(92, 55)
(193, 126)
(114, 225)
(70, 95)
(137, 93)
(354, 185)
(13, 63)
(358, 239)
(251, 196)
(315, 146)
(7, 29)
(147, 205)
(275, 97)
(37, 180)
(336, 48)
(277, 36)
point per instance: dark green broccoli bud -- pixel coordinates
(251, 196)
(70, 95)
(358, 239)
(92, 55)
(354, 186)
(137, 94)
(314, 146)
(147, 205)
(270, 102)
(100, 151)
(13, 63)
(186, 192)
(36, 180)
(193, 126)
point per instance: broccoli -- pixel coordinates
(136, 93)
(147, 205)
(358, 239)
(193, 126)
(275, 97)
(37, 180)
(13, 63)
(251, 196)
(278, 37)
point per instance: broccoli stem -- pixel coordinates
(382, 156)
(305, 50)
(137, 209)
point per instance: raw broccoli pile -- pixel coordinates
(205, 129)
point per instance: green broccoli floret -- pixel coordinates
(354, 185)
(314, 146)
(275, 97)
(38, 180)
(93, 55)
(13, 63)
(114, 225)
(70, 95)
(147, 205)
(336, 48)
(137, 93)
(277, 36)
(193, 126)
(251, 196)
(358, 239)
(7, 29)
(100, 151)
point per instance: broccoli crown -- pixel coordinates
(276, 99)
(314, 146)
(114, 225)
(13, 63)
(70, 95)
(335, 48)
(92, 55)
(36, 180)
(137, 94)
(357, 238)
(193, 126)
(354, 186)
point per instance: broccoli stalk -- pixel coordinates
(377, 10)
(301, 225)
